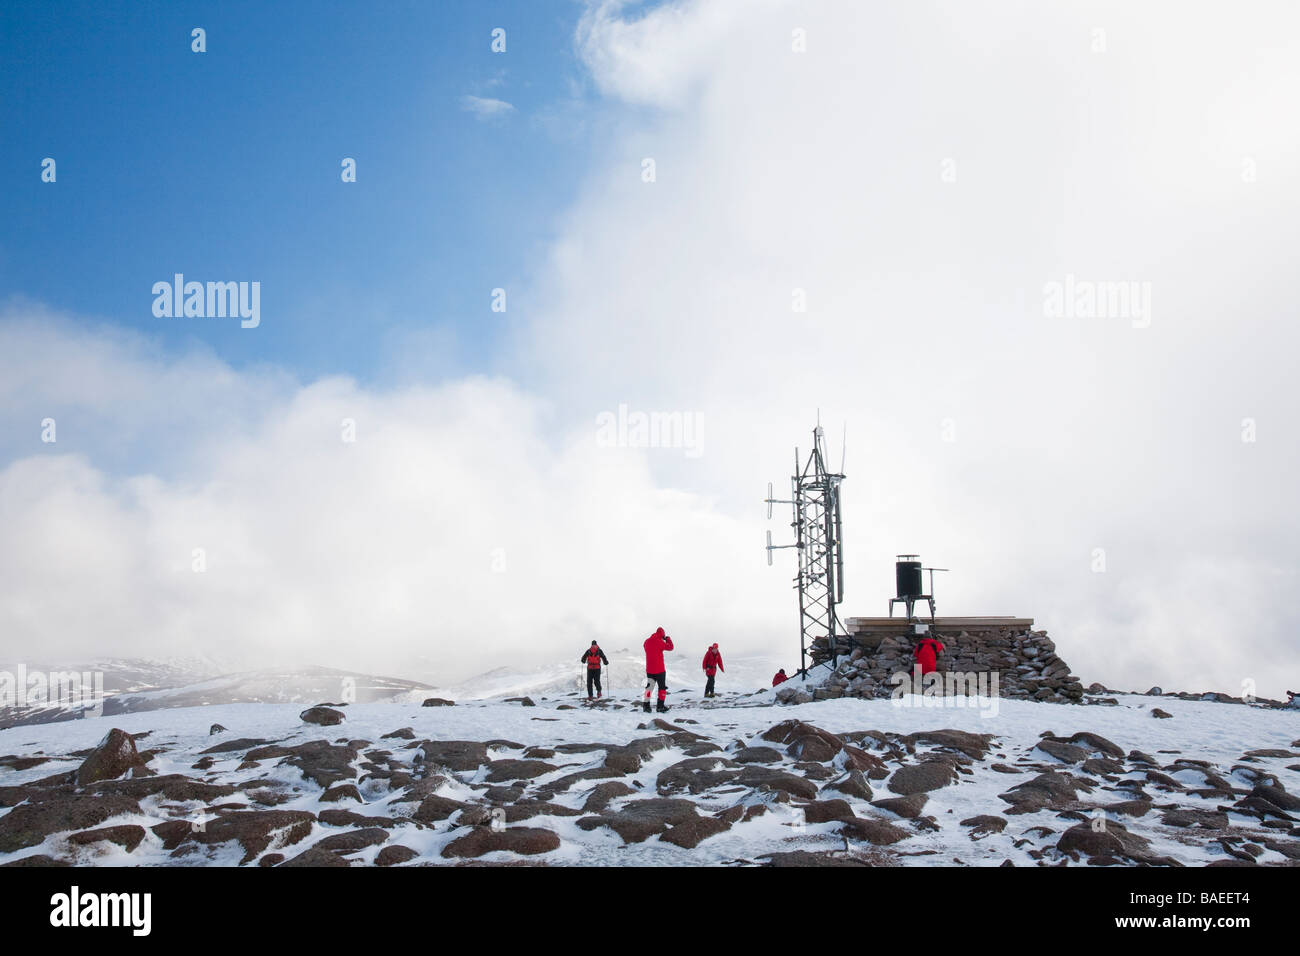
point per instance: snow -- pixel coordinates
(1219, 733)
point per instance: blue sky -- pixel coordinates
(225, 165)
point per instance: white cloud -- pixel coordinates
(776, 170)
(461, 530)
(485, 107)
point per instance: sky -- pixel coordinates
(1032, 266)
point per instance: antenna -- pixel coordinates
(817, 524)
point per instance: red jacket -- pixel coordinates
(655, 645)
(926, 653)
(779, 678)
(713, 662)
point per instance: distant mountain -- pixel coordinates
(134, 685)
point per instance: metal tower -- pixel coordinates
(815, 497)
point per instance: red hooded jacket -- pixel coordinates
(655, 645)
(713, 662)
(926, 653)
(779, 678)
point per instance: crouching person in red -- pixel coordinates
(655, 669)
(926, 654)
(779, 677)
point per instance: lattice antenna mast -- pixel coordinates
(817, 523)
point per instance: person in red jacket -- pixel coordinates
(712, 664)
(779, 677)
(655, 670)
(926, 654)
(592, 657)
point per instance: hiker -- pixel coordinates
(779, 677)
(712, 664)
(655, 671)
(592, 657)
(926, 654)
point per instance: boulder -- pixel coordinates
(922, 777)
(689, 833)
(254, 830)
(765, 778)
(127, 836)
(984, 825)
(353, 840)
(114, 756)
(438, 702)
(696, 774)
(853, 784)
(30, 823)
(324, 716)
(826, 811)
(873, 831)
(908, 807)
(529, 841)
(395, 855)
(641, 819)
(456, 755)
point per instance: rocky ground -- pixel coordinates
(738, 780)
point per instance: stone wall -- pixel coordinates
(1024, 660)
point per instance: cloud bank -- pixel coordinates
(853, 210)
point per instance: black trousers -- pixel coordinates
(661, 679)
(593, 677)
(708, 686)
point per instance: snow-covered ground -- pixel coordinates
(1220, 734)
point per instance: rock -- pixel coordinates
(641, 819)
(434, 808)
(1048, 790)
(500, 771)
(230, 746)
(539, 753)
(127, 836)
(321, 762)
(216, 729)
(395, 855)
(314, 857)
(404, 733)
(344, 791)
(975, 746)
(30, 823)
(350, 818)
(1102, 766)
(696, 775)
(529, 841)
(1276, 795)
(438, 702)
(1066, 753)
(875, 832)
(1154, 692)
(922, 777)
(255, 830)
(853, 784)
(37, 859)
(522, 701)
(804, 858)
(1095, 743)
(456, 755)
(984, 825)
(766, 755)
(1157, 712)
(628, 759)
(1281, 754)
(813, 748)
(764, 778)
(353, 840)
(603, 793)
(324, 716)
(792, 695)
(793, 732)
(114, 756)
(1207, 819)
(1113, 840)
(826, 811)
(690, 833)
(908, 807)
